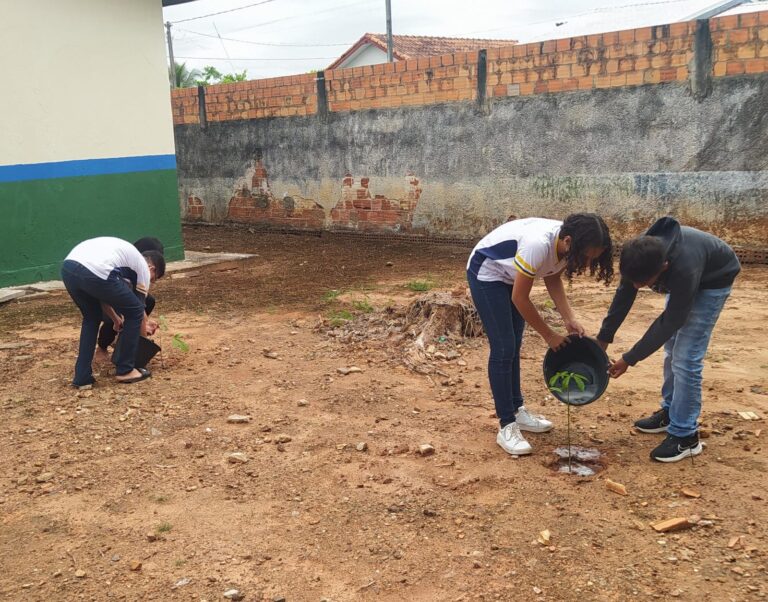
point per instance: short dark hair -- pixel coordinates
(156, 259)
(642, 258)
(588, 230)
(149, 243)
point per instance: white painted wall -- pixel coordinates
(83, 79)
(367, 55)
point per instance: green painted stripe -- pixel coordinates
(43, 219)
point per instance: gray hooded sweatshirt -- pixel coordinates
(697, 260)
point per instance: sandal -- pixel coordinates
(145, 374)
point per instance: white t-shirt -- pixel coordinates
(524, 246)
(106, 254)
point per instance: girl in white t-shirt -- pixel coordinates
(501, 270)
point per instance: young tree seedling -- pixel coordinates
(564, 379)
(177, 340)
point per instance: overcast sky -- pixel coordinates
(283, 37)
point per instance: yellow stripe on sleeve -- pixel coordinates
(524, 264)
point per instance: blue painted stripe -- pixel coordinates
(503, 250)
(506, 249)
(85, 167)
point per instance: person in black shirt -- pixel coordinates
(695, 270)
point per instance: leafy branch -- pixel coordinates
(564, 378)
(177, 340)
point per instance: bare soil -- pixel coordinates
(125, 492)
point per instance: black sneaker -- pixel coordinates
(674, 449)
(656, 423)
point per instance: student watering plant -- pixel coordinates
(695, 270)
(501, 271)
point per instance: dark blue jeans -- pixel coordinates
(684, 362)
(503, 326)
(88, 291)
(107, 332)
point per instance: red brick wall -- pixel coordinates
(257, 204)
(274, 97)
(648, 55)
(420, 81)
(740, 44)
(359, 209)
(195, 208)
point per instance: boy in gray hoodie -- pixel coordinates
(695, 270)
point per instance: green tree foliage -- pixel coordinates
(185, 78)
(210, 76)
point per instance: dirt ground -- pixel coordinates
(126, 492)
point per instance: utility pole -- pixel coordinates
(172, 68)
(390, 45)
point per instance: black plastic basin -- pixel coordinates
(146, 350)
(581, 356)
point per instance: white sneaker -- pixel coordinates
(532, 422)
(511, 440)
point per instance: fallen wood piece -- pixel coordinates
(5, 346)
(748, 416)
(688, 492)
(674, 524)
(615, 487)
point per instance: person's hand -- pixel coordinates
(603, 345)
(117, 325)
(617, 368)
(573, 327)
(152, 326)
(557, 341)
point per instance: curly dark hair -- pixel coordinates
(588, 230)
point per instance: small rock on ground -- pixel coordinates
(237, 458)
(425, 449)
(238, 419)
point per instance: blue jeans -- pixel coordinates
(684, 361)
(88, 291)
(503, 326)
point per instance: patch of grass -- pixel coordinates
(180, 562)
(339, 317)
(331, 296)
(362, 305)
(548, 304)
(160, 499)
(164, 527)
(419, 286)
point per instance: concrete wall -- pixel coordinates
(87, 131)
(698, 150)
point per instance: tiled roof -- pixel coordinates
(408, 47)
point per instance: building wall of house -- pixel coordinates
(368, 55)
(632, 124)
(87, 131)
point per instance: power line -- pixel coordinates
(589, 12)
(317, 12)
(223, 46)
(219, 58)
(208, 35)
(221, 12)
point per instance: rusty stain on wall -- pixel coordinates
(358, 208)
